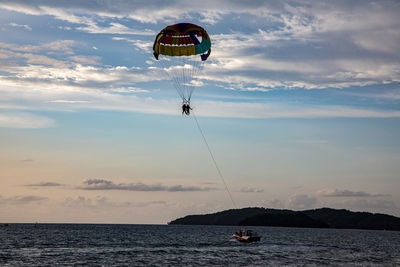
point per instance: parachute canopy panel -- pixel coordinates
(182, 39)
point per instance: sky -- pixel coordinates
(299, 103)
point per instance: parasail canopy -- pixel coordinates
(182, 39)
(181, 49)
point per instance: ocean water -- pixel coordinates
(176, 245)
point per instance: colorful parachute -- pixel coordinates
(182, 50)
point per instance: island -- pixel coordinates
(314, 218)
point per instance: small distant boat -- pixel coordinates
(247, 236)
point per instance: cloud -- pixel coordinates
(27, 160)
(377, 205)
(144, 45)
(24, 120)
(26, 27)
(102, 184)
(286, 45)
(38, 55)
(64, 46)
(345, 193)
(21, 200)
(274, 203)
(70, 73)
(110, 88)
(251, 190)
(382, 94)
(86, 60)
(114, 28)
(79, 13)
(45, 184)
(86, 15)
(272, 110)
(245, 61)
(103, 202)
(84, 95)
(368, 204)
(129, 89)
(65, 101)
(300, 202)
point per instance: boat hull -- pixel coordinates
(247, 239)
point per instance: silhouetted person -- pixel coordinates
(186, 109)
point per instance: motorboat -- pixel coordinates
(247, 236)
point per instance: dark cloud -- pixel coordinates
(45, 184)
(102, 184)
(345, 193)
(20, 200)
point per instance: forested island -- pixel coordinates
(315, 218)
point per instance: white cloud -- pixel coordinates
(86, 60)
(36, 54)
(64, 101)
(56, 46)
(129, 89)
(55, 72)
(308, 46)
(383, 94)
(281, 55)
(76, 96)
(114, 28)
(24, 120)
(261, 110)
(274, 203)
(145, 46)
(100, 202)
(301, 202)
(244, 58)
(251, 190)
(26, 27)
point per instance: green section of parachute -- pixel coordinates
(203, 47)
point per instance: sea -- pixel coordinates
(184, 245)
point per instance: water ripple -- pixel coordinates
(171, 245)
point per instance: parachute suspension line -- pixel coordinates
(185, 77)
(171, 76)
(215, 162)
(183, 72)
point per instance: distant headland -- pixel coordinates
(315, 218)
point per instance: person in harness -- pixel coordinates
(186, 107)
